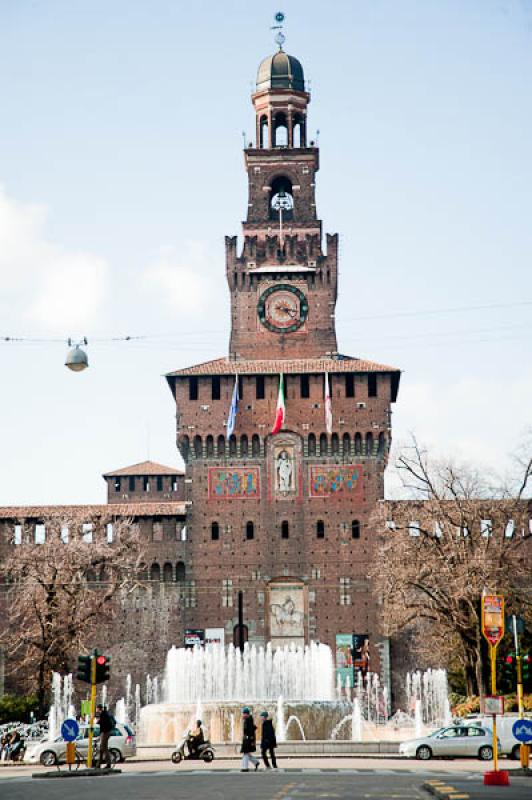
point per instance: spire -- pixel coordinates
(280, 38)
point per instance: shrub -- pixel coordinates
(17, 708)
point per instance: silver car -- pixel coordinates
(122, 745)
(453, 742)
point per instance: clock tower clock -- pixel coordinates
(283, 285)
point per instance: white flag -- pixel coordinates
(328, 406)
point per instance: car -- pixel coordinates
(122, 745)
(452, 742)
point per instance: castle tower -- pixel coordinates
(284, 517)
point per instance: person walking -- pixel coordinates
(249, 741)
(268, 742)
(106, 722)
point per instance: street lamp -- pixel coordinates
(76, 358)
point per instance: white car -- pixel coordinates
(453, 742)
(121, 746)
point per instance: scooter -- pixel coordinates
(205, 752)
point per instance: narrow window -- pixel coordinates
(320, 529)
(215, 387)
(168, 572)
(355, 529)
(174, 483)
(198, 447)
(180, 571)
(244, 448)
(131, 483)
(155, 572)
(117, 484)
(193, 388)
(232, 445)
(209, 444)
(159, 483)
(305, 386)
(335, 444)
(259, 387)
(86, 530)
(65, 534)
(157, 532)
(346, 444)
(358, 444)
(312, 444)
(369, 444)
(250, 530)
(215, 531)
(109, 532)
(221, 446)
(372, 385)
(17, 534)
(349, 385)
(255, 445)
(381, 449)
(285, 531)
(323, 444)
(240, 387)
(146, 484)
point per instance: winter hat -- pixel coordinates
(264, 714)
(246, 710)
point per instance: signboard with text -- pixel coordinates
(493, 705)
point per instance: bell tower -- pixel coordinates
(283, 286)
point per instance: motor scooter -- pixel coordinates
(205, 752)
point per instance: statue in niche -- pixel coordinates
(284, 467)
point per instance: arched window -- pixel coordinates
(335, 444)
(281, 196)
(232, 445)
(263, 132)
(250, 530)
(198, 448)
(215, 531)
(311, 444)
(381, 448)
(285, 529)
(355, 529)
(209, 444)
(155, 572)
(168, 573)
(280, 130)
(221, 446)
(346, 444)
(180, 571)
(323, 444)
(184, 447)
(320, 529)
(298, 131)
(244, 448)
(358, 444)
(369, 444)
(255, 445)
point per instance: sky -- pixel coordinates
(121, 170)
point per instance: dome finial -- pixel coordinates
(280, 37)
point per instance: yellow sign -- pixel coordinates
(493, 618)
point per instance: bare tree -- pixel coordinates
(61, 591)
(460, 535)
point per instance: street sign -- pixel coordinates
(522, 730)
(493, 618)
(70, 730)
(493, 705)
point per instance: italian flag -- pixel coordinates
(280, 412)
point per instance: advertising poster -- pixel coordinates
(344, 658)
(215, 636)
(194, 637)
(361, 653)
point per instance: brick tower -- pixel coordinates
(283, 518)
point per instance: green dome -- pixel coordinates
(280, 71)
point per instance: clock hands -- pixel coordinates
(287, 310)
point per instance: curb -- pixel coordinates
(444, 791)
(76, 773)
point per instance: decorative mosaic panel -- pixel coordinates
(335, 480)
(234, 483)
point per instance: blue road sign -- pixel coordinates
(522, 730)
(69, 730)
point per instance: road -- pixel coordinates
(376, 780)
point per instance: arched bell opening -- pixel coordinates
(280, 130)
(281, 198)
(264, 133)
(299, 131)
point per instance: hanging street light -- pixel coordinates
(76, 358)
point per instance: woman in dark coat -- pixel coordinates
(249, 743)
(268, 742)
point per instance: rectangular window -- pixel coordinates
(117, 484)
(109, 532)
(146, 484)
(305, 386)
(65, 535)
(345, 591)
(159, 483)
(86, 530)
(193, 388)
(259, 387)
(40, 534)
(349, 385)
(240, 387)
(227, 593)
(131, 484)
(215, 387)
(372, 385)
(174, 483)
(17, 534)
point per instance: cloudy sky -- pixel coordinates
(121, 170)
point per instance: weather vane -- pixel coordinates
(280, 38)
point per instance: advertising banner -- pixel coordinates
(361, 653)
(194, 637)
(344, 658)
(215, 636)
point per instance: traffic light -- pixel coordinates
(509, 668)
(526, 663)
(103, 668)
(84, 669)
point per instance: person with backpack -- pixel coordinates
(268, 742)
(107, 722)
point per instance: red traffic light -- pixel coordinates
(509, 659)
(526, 659)
(100, 660)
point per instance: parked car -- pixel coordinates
(509, 744)
(453, 742)
(122, 745)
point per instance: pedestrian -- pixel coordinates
(249, 741)
(106, 721)
(268, 742)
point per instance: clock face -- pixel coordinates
(282, 308)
